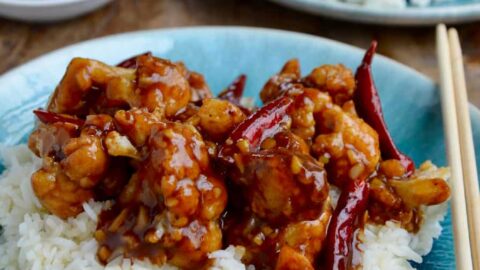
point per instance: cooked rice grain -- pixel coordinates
(391, 247)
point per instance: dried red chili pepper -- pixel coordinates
(51, 117)
(258, 126)
(234, 92)
(369, 108)
(132, 61)
(352, 203)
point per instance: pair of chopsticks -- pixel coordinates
(465, 199)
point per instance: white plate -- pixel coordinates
(454, 12)
(47, 10)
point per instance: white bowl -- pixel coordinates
(451, 11)
(47, 10)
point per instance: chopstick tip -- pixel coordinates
(441, 27)
(453, 33)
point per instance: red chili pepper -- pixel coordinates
(234, 92)
(369, 108)
(352, 203)
(132, 61)
(258, 126)
(51, 117)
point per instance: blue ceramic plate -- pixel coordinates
(410, 100)
(448, 11)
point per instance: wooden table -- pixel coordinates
(20, 42)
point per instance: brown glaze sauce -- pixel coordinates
(147, 135)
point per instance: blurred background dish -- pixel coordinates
(47, 10)
(391, 12)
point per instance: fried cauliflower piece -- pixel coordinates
(282, 81)
(162, 85)
(179, 158)
(137, 124)
(282, 186)
(75, 160)
(285, 205)
(86, 161)
(68, 175)
(57, 192)
(156, 84)
(177, 150)
(347, 144)
(72, 165)
(217, 118)
(265, 242)
(307, 236)
(48, 140)
(119, 145)
(81, 78)
(308, 103)
(336, 80)
(394, 196)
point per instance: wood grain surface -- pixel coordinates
(20, 42)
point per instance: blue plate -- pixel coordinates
(410, 100)
(443, 11)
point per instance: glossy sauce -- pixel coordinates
(149, 137)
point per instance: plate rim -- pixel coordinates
(17, 69)
(43, 3)
(407, 17)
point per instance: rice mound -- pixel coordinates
(34, 239)
(392, 247)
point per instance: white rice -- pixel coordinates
(392, 247)
(34, 239)
(229, 258)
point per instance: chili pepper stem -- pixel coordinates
(368, 58)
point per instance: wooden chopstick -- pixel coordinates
(469, 166)
(459, 212)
